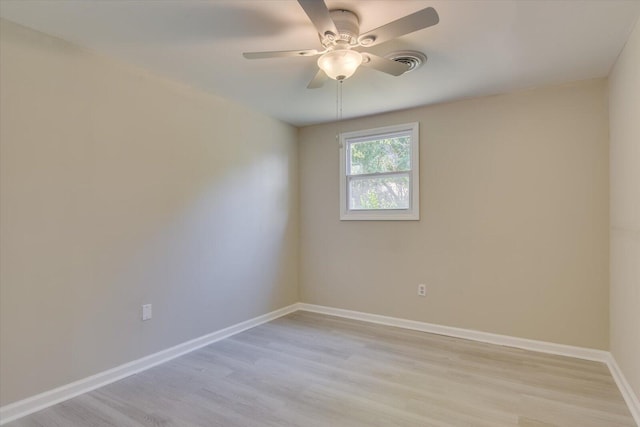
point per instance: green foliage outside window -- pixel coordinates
(378, 157)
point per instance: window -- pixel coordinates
(379, 174)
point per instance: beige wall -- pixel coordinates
(513, 236)
(119, 188)
(624, 118)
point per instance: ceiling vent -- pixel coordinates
(410, 57)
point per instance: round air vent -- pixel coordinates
(410, 57)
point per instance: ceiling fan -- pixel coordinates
(339, 32)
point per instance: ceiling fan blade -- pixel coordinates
(416, 21)
(318, 80)
(385, 65)
(319, 15)
(280, 54)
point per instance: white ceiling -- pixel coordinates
(479, 47)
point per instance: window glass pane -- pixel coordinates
(380, 155)
(385, 192)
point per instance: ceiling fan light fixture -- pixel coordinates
(340, 64)
(339, 33)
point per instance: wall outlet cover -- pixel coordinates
(146, 311)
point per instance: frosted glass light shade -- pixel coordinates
(340, 64)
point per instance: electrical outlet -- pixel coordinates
(146, 311)
(422, 290)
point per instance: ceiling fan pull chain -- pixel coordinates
(339, 100)
(338, 108)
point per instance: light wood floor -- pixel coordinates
(311, 370)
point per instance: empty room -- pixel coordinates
(319, 213)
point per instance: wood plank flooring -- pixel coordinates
(311, 370)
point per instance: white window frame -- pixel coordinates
(413, 212)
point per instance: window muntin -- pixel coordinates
(379, 173)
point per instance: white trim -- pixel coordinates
(410, 214)
(469, 334)
(41, 401)
(526, 344)
(625, 388)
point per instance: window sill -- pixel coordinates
(379, 216)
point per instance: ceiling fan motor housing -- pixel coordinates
(339, 33)
(348, 26)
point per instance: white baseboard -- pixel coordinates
(487, 337)
(505, 340)
(625, 388)
(40, 401)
